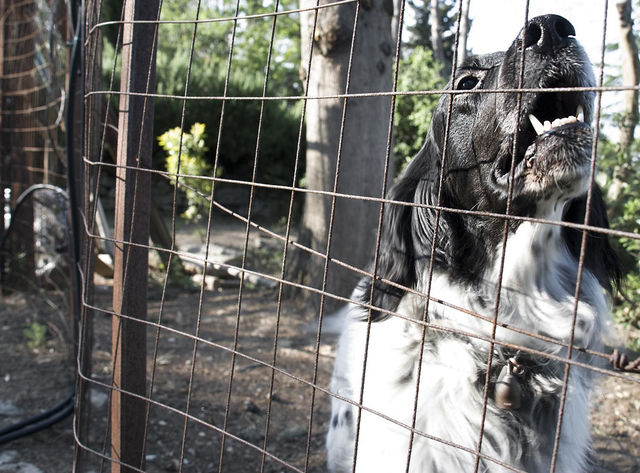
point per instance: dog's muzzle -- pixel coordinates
(554, 138)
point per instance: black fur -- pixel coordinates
(479, 154)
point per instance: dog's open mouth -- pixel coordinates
(547, 126)
(552, 133)
(543, 127)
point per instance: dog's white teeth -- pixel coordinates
(541, 128)
(536, 124)
(563, 121)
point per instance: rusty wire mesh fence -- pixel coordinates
(205, 334)
(212, 377)
(36, 314)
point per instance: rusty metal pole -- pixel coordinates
(135, 142)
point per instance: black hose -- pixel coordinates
(20, 201)
(64, 408)
(38, 422)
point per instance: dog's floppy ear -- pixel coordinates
(401, 231)
(600, 258)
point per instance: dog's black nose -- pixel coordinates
(548, 33)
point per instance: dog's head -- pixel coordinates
(500, 139)
(489, 132)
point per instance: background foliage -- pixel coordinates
(417, 72)
(207, 72)
(187, 155)
(620, 179)
(420, 31)
(619, 166)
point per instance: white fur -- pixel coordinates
(449, 404)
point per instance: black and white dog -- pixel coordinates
(423, 394)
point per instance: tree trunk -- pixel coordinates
(630, 73)
(464, 32)
(363, 150)
(630, 77)
(395, 20)
(436, 32)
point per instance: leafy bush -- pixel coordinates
(418, 72)
(36, 334)
(420, 30)
(190, 159)
(207, 76)
(621, 181)
(208, 71)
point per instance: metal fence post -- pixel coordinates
(135, 142)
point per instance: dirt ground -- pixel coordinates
(34, 377)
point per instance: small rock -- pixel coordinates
(174, 465)
(251, 406)
(98, 398)
(19, 468)
(8, 456)
(8, 409)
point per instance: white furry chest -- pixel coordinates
(448, 373)
(430, 384)
(538, 284)
(433, 382)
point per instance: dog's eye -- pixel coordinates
(467, 83)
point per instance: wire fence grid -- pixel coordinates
(35, 313)
(205, 360)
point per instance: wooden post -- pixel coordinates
(135, 142)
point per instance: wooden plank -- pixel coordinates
(135, 142)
